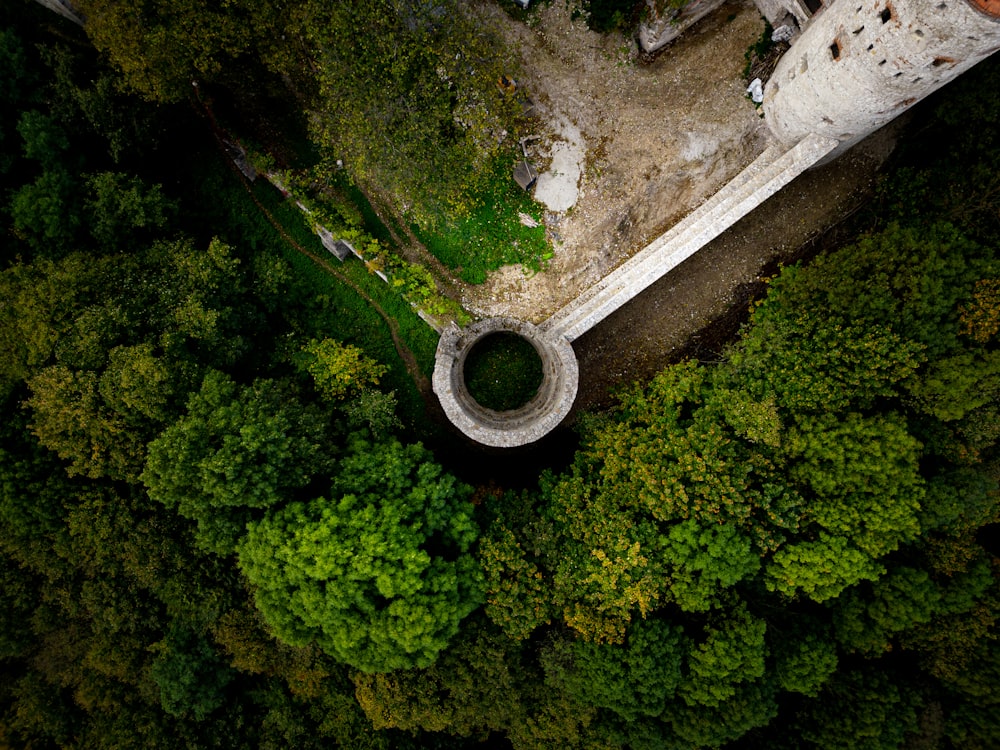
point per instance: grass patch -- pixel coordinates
(491, 235)
(503, 371)
(320, 304)
(371, 221)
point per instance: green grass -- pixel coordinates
(418, 336)
(503, 371)
(372, 223)
(491, 235)
(324, 306)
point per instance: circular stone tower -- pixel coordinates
(861, 63)
(505, 429)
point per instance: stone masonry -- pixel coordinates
(857, 65)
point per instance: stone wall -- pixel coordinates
(658, 28)
(505, 429)
(770, 172)
(64, 8)
(862, 63)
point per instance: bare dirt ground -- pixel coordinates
(656, 138)
(660, 138)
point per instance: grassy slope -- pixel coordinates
(330, 306)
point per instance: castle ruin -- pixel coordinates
(852, 67)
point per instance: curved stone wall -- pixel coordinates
(505, 429)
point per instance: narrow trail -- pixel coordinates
(405, 354)
(410, 246)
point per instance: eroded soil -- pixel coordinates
(658, 138)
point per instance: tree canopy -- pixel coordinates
(379, 575)
(216, 530)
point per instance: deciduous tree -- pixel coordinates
(380, 575)
(238, 449)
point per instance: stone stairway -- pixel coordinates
(765, 176)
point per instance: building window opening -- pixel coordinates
(835, 50)
(887, 15)
(814, 5)
(939, 61)
(858, 31)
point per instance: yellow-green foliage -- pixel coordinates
(340, 370)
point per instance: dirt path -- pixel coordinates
(409, 360)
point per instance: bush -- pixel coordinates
(503, 371)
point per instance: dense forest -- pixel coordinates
(221, 524)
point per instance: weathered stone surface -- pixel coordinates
(770, 172)
(859, 65)
(506, 429)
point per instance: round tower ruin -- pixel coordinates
(861, 63)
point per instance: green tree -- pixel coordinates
(190, 675)
(821, 568)
(123, 211)
(867, 620)
(632, 679)
(733, 652)
(751, 705)
(805, 663)
(238, 449)
(340, 369)
(17, 602)
(519, 596)
(482, 681)
(19, 83)
(414, 109)
(861, 477)
(44, 139)
(159, 46)
(706, 562)
(70, 418)
(379, 576)
(46, 213)
(859, 709)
